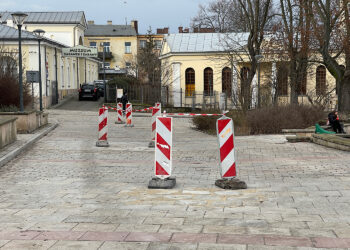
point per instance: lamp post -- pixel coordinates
(104, 73)
(18, 19)
(258, 59)
(40, 33)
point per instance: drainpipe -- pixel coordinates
(56, 101)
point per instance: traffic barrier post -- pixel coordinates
(102, 128)
(119, 114)
(163, 154)
(128, 118)
(225, 133)
(155, 113)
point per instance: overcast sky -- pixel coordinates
(154, 13)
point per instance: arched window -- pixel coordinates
(320, 80)
(244, 79)
(190, 81)
(208, 81)
(227, 81)
(80, 41)
(282, 80)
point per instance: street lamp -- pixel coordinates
(258, 58)
(40, 33)
(18, 19)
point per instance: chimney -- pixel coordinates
(109, 22)
(180, 29)
(163, 31)
(90, 22)
(187, 30)
(135, 25)
(195, 30)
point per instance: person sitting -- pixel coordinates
(333, 119)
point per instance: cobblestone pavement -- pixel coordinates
(65, 193)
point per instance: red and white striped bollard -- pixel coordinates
(119, 113)
(102, 128)
(155, 113)
(128, 112)
(225, 133)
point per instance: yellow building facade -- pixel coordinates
(196, 71)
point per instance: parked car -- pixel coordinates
(89, 90)
(101, 87)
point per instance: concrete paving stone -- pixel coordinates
(342, 232)
(104, 236)
(148, 237)
(245, 210)
(288, 241)
(171, 246)
(59, 235)
(246, 223)
(291, 225)
(170, 228)
(28, 244)
(110, 212)
(331, 243)
(73, 245)
(15, 226)
(307, 218)
(3, 242)
(204, 221)
(18, 235)
(254, 247)
(169, 207)
(86, 219)
(43, 226)
(186, 214)
(137, 228)
(269, 231)
(124, 220)
(194, 238)
(95, 227)
(208, 246)
(210, 214)
(240, 239)
(313, 232)
(108, 245)
(163, 220)
(224, 229)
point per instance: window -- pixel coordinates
(190, 82)
(93, 45)
(157, 44)
(107, 46)
(128, 64)
(244, 84)
(321, 80)
(143, 44)
(208, 81)
(227, 81)
(282, 80)
(127, 47)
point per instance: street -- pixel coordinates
(66, 193)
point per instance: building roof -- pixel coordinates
(8, 33)
(71, 17)
(110, 30)
(205, 42)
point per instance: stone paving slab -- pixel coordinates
(66, 184)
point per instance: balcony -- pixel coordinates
(108, 55)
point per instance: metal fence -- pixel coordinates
(197, 99)
(145, 93)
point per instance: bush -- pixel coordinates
(269, 120)
(9, 91)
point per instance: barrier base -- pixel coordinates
(232, 184)
(157, 183)
(131, 126)
(102, 144)
(151, 144)
(119, 122)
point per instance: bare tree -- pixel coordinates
(331, 26)
(222, 16)
(292, 37)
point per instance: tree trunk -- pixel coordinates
(344, 94)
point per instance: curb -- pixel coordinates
(16, 152)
